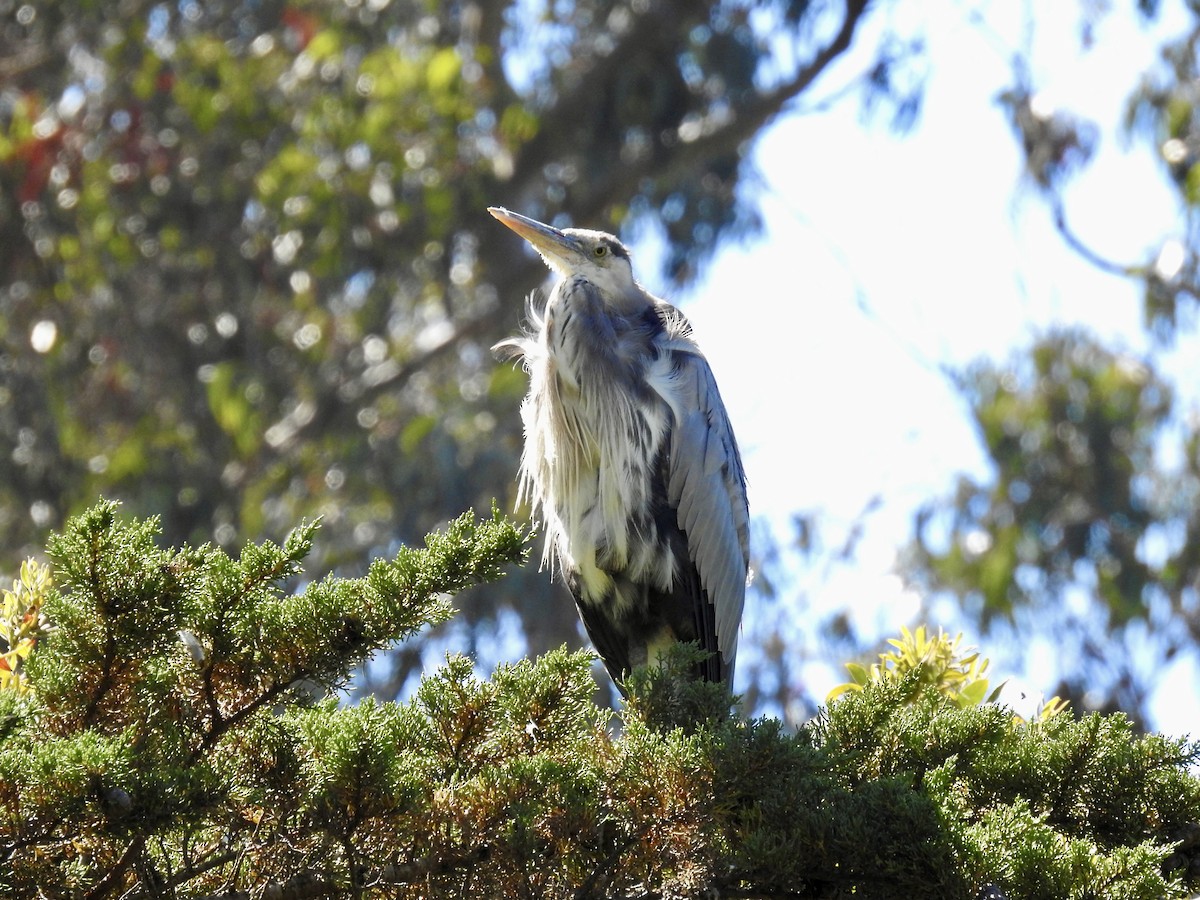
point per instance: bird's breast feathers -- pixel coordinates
(590, 464)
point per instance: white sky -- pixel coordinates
(885, 257)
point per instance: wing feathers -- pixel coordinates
(706, 485)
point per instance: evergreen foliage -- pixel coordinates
(167, 743)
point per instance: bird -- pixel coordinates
(630, 465)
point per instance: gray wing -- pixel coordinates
(707, 487)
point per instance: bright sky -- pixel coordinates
(886, 257)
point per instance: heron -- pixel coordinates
(630, 465)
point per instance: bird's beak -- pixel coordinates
(559, 250)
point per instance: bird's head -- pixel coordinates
(598, 257)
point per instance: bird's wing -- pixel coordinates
(707, 487)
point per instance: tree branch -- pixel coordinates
(746, 122)
(310, 887)
(105, 885)
(751, 119)
(1075, 243)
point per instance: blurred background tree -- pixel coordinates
(246, 276)
(1085, 542)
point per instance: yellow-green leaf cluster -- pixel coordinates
(933, 661)
(22, 621)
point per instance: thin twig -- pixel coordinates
(1075, 243)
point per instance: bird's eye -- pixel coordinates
(600, 251)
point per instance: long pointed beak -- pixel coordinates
(559, 250)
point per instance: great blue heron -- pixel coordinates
(629, 462)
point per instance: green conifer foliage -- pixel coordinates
(168, 737)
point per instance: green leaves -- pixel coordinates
(1082, 529)
(213, 638)
(924, 662)
(171, 733)
(22, 622)
(357, 763)
(232, 409)
(1071, 440)
(1048, 808)
(152, 696)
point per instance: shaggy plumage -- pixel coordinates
(629, 462)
